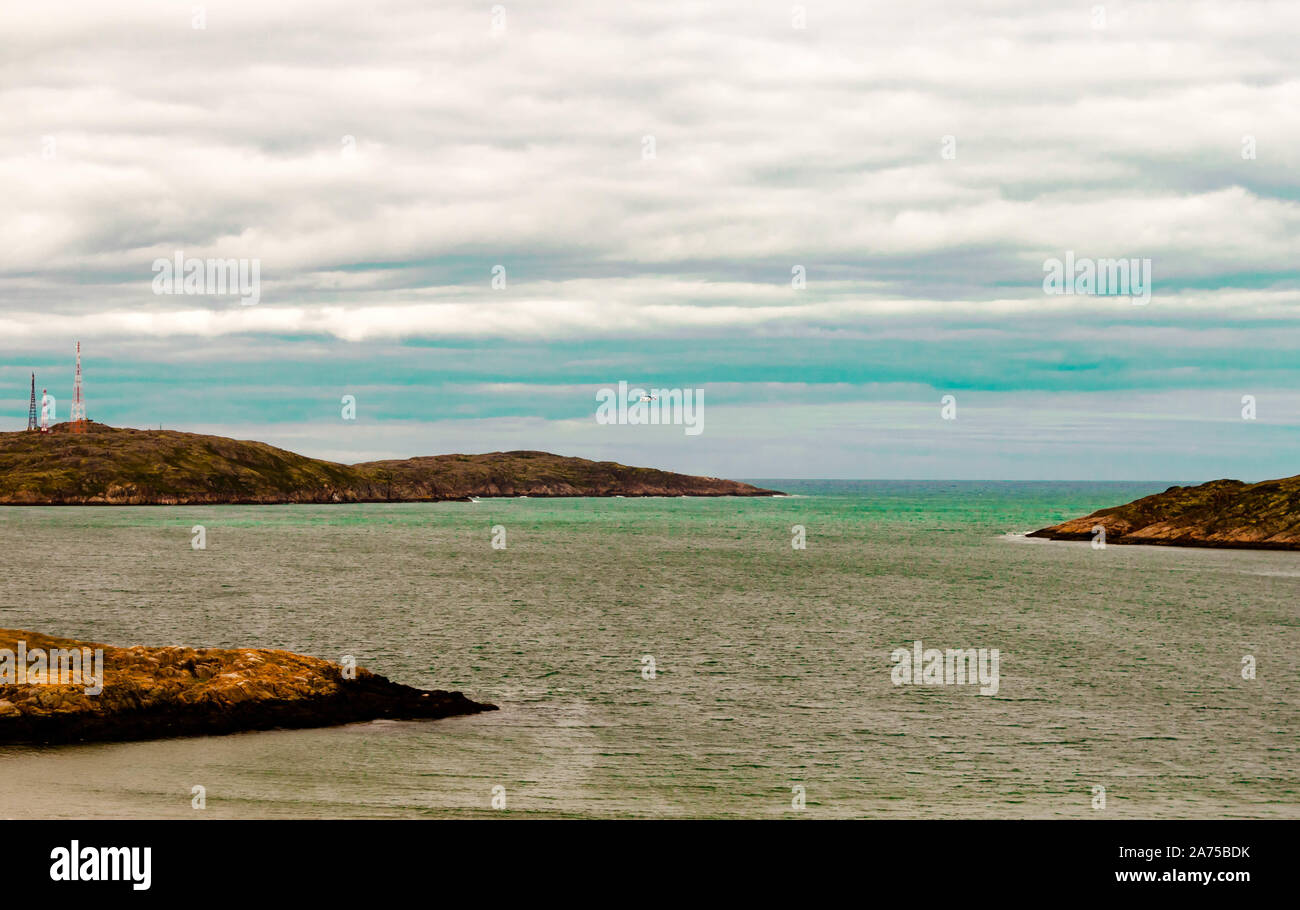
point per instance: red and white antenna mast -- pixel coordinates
(45, 410)
(33, 422)
(78, 402)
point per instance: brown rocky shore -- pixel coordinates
(116, 466)
(1221, 513)
(149, 693)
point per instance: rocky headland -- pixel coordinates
(1221, 513)
(148, 693)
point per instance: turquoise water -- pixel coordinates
(1119, 667)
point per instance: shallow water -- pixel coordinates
(1119, 667)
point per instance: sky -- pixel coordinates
(828, 216)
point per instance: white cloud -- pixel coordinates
(773, 146)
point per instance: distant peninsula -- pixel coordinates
(1221, 513)
(116, 466)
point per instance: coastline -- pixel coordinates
(470, 498)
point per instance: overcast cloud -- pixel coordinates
(380, 159)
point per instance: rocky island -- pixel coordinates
(1221, 513)
(148, 693)
(114, 466)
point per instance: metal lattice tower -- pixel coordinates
(31, 409)
(78, 416)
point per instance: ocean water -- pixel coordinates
(1119, 668)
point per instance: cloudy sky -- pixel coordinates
(651, 177)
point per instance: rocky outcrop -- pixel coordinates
(1221, 513)
(112, 466)
(148, 693)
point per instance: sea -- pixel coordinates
(666, 657)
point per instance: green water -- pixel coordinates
(1119, 667)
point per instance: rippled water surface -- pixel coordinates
(1119, 667)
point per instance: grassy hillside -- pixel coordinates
(1221, 513)
(108, 465)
